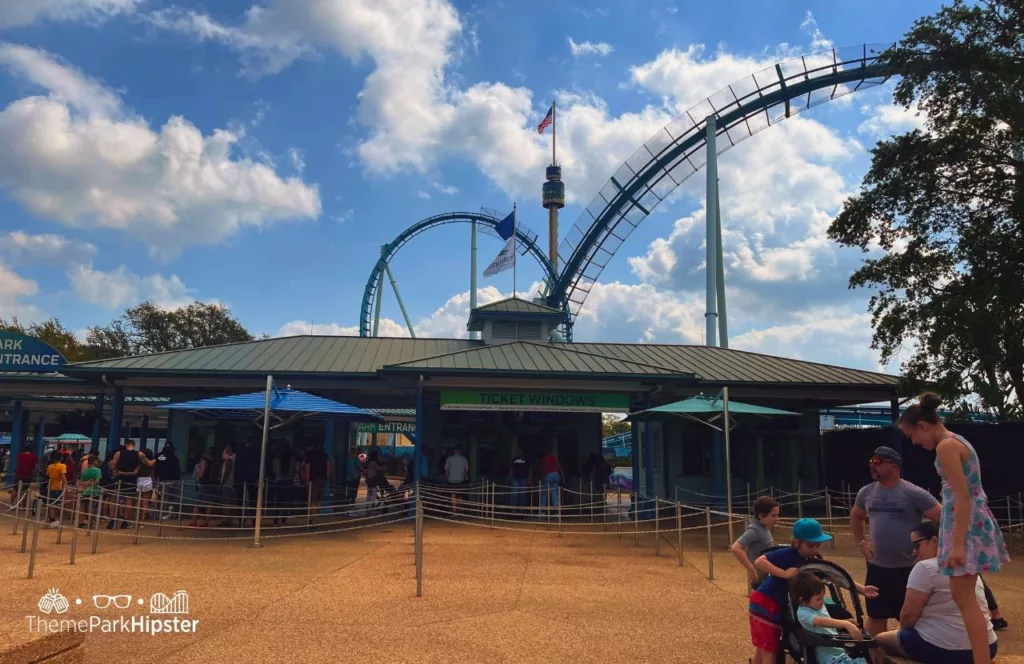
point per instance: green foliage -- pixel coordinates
(611, 425)
(947, 207)
(144, 328)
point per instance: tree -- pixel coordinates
(53, 332)
(946, 205)
(146, 328)
(611, 425)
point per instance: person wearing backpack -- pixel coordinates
(208, 489)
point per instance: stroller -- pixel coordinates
(798, 643)
(388, 496)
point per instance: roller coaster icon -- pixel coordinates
(656, 169)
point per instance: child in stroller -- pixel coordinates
(812, 630)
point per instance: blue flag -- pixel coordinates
(507, 226)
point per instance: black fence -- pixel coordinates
(1000, 448)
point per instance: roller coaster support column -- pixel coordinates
(380, 296)
(711, 233)
(401, 305)
(472, 272)
(723, 324)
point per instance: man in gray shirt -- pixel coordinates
(894, 507)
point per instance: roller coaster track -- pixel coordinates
(526, 243)
(678, 151)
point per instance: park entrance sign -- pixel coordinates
(20, 352)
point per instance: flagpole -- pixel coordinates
(554, 131)
(515, 222)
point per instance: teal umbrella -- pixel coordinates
(698, 409)
(73, 438)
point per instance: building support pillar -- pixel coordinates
(17, 436)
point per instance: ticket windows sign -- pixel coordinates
(20, 352)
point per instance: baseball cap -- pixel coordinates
(888, 453)
(809, 530)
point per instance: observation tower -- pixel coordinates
(553, 198)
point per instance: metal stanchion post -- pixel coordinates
(160, 510)
(74, 526)
(60, 517)
(28, 517)
(679, 531)
(799, 500)
(750, 501)
(1009, 524)
(560, 498)
(828, 517)
(17, 505)
(419, 544)
(618, 501)
(117, 503)
(1020, 512)
(309, 504)
(245, 502)
(635, 505)
(138, 517)
(181, 501)
(657, 526)
(35, 538)
(97, 517)
(711, 556)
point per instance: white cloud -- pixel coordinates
(20, 247)
(79, 157)
(15, 13)
(121, 288)
(13, 289)
(388, 328)
(819, 42)
(884, 120)
(829, 335)
(297, 158)
(589, 48)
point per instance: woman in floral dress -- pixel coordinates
(970, 542)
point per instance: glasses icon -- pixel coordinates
(104, 601)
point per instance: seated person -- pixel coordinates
(808, 593)
(931, 628)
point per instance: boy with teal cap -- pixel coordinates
(769, 600)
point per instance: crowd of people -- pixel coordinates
(924, 560)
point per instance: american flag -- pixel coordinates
(546, 122)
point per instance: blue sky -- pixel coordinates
(259, 155)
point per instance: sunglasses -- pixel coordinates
(877, 461)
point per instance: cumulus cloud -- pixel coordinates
(13, 289)
(589, 48)
(121, 288)
(14, 13)
(47, 248)
(78, 156)
(884, 120)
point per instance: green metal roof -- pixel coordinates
(330, 355)
(531, 357)
(727, 365)
(285, 355)
(515, 305)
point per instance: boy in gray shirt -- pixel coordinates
(757, 537)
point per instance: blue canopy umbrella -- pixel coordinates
(262, 408)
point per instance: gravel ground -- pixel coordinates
(488, 596)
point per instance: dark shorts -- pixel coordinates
(919, 650)
(892, 589)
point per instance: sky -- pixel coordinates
(258, 153)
